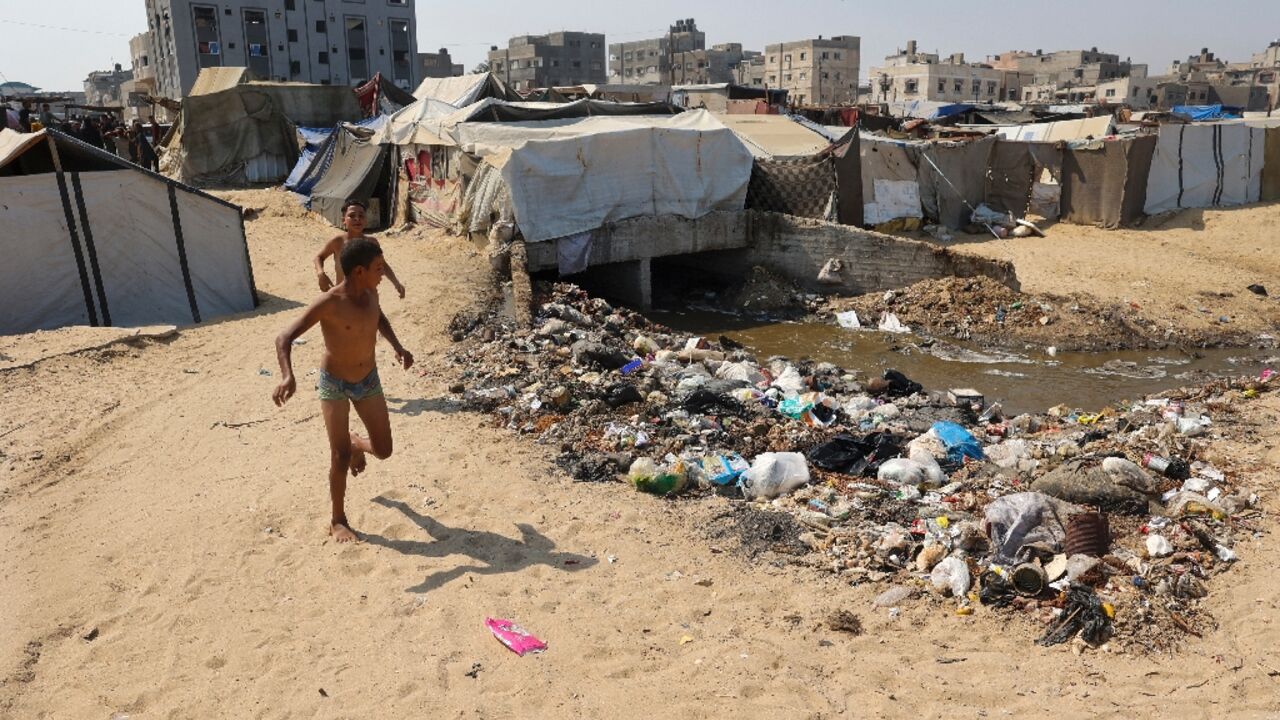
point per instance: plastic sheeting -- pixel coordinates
(1104, 183)
(689, 166)
(1082, 129)
(1203, 113)
(1199, 166)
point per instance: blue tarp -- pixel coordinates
(959, 442)
(304, 177)
(1200, 113)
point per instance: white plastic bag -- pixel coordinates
(890, 323)
(774, 474)
(933, 474)
(951, 574)
(901, 471)
(848, 320)
(789, 381)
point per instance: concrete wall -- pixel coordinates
(730, 243)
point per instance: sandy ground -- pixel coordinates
(1188, 268)
(152, 499)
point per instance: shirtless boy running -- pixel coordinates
(353, 219)
(350, 319)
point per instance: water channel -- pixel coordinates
(1023, 381)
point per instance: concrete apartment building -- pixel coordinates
(652, 61)
(912, 75)
(143, 83)
(104, 88)
(559, 58)
(439, 65)
(329, 42)
(821, 71)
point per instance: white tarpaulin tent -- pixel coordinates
(570, 177)
(95, 240)
(1098, 127)
(1205, 165)
(463, 90)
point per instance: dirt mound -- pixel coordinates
(981, 309)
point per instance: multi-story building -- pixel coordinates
(336, 42)
(103, 88)
(137, 90)
(912, 75)
(559, 58)
(815, 72)
(439, 65)
(649, 61)
(1205, 62)
(750, 71)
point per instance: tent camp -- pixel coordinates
(245, 133)
(1082, 129)
(380, 96)
(1205, 165)
(96, 240)
(352, 164)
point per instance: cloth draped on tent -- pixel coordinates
(1269, 188)
(804, 187)
(380, 96)
(1104, 183)
(890, 184)
(953, 179)
(1211, 165)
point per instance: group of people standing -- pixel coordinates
(133, 142)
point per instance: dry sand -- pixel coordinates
(152, 498)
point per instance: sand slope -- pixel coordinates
(151, 492)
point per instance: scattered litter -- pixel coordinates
(517, 639)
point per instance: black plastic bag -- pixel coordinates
(705, 402)
(621, 394)
(849, 455)
(900, 385)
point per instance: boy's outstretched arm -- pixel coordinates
(330, 248)
(404, 357)
(284, 348)
(391, 275)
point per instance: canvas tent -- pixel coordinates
(1104, 183)
(95, 240)
(463, 90)
(1082, 129)
(1205, 165)
(380, 96)
(354, 165)
(245, 133)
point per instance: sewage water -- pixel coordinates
(1022, 381)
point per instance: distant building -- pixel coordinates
(652, 61)
(103, 88)
(1205, 62)
(327, 42)
(439, 65)
(815, 72)
(750, 71)
(143, 85)
(559, 58)
(912, 75)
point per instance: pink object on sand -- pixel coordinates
(517, 639)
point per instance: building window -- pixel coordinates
(398, 2)
(626, 56)
(786, 59)
(357, 50)
(321, 27)
(290, 5)
(652, 69)
(787, 77)
(959, 86)
(801, 56)
(803, 74)
(824, 55)
(577, 63)
(401, 45)
(323, 58)
(208, 47)
(773, 58)
(257, 43)
(977, 86)
(1111, 92)
(837, 55)
(292, 35)
(942, 87)
(911, 87)
(295, 68)
(991, 87)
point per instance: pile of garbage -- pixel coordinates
(1109, 526)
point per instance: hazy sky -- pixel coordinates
(85, 35)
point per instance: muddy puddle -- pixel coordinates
(1026, 381)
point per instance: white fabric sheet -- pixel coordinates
(1205, 165)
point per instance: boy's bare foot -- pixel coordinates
(358, 462)
(340, 530)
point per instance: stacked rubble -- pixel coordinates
(1107, 527)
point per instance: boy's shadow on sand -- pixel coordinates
(500, 554)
